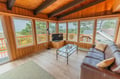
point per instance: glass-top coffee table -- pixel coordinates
(66, 51)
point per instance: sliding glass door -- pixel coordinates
(4, 57)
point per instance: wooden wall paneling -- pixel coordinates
(94, 32)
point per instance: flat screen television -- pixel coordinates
(57, 37)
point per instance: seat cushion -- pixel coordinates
(96, 55)
(95, 50)
(91, 61)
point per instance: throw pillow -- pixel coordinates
(105, 63)
(101, 46)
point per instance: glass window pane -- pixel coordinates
(86, 31)
(72, 31)
(23, 32)
(62, 29)
(52, 29)
(41, 31)
(105, 32)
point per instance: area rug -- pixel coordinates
(29, 70)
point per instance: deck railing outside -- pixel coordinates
(25, 40)
(3, 48)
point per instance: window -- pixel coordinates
(86, 31)
(23, 32)
(72, 31)
(105, 32)
(52, 29)
(62, 29)
(41, 31)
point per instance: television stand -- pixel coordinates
(57, 44)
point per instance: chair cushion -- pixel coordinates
(91, 61)
(97, 55)
(96, 51)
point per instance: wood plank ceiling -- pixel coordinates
(52, 8)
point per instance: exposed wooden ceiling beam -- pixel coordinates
(81, 8)
(43, 6)
(10, 4)
(75, 2)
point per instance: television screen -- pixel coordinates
(57, 37)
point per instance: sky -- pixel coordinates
(20, 24)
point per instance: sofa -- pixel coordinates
(89, 70)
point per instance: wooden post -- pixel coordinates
(34, 34)
(57, 27)
(94, 32)
(117, 30)
(67, 31)
(48, 34)
(9, 34)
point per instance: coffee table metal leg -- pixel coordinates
(56, 55)
(67, 58)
